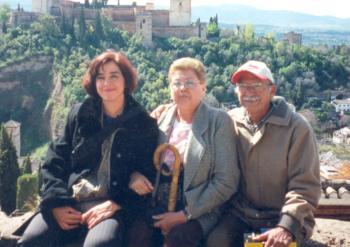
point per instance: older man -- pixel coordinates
(280, 184)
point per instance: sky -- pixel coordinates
(337, 8)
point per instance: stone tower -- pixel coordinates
(45, 6)
(41, 6)
(180, 13)
(13, 129)
(144, 27)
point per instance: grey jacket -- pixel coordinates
(211, 171)
(280, 183)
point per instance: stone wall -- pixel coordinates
(180, 32)
(160, 18)
(18, 18)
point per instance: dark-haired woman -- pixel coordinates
(86, 173)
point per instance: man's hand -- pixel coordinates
(99, 213)
(67, 217)
(140, 184)
(156, 113)
(167, 221)
(276, 237)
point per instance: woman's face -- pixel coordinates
(110, 83)
(186, 90)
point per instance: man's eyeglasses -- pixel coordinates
(258, 86)
(187, 84)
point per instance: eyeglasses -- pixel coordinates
(187, 84)
(258, 86)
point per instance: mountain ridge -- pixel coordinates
(238, 14)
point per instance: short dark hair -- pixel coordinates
(127, 69)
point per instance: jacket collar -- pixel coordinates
(280, 115)
(90, 113)
(199, 124)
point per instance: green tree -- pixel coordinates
(82, 26)
(9, 172)
(27, 166)
(98, 26)
(213, 29)
(4, 16)
(27, 185)
(248, 32)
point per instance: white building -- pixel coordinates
(342, 136)
(341, 105)
(13, 129)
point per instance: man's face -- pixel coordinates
(255, 94)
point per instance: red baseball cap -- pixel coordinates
(257, 68)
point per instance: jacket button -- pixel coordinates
(119, 155)
(114, 183)
(257, 215)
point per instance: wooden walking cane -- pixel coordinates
(175, 174)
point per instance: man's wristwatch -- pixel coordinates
(188, 215)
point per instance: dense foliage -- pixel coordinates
(9, 172)
(300, 71)
(26, 166)
(27, 191)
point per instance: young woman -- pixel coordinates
(86, 172)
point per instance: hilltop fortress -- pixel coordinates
(143, 20)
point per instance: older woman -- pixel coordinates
(204, 138)
(86, 172)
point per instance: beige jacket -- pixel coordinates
(280, 181)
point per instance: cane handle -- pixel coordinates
(175, 173)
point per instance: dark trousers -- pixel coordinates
(142, 234)
(41, 232)
(228, 233)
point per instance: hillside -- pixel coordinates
(25, 87)
(302, 73)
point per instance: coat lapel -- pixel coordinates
(196, 145)
(166, 124)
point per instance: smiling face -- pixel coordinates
(110, 83)
(186, 89)
(255, 94)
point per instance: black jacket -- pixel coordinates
(78, 151)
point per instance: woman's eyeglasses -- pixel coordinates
(187, 84)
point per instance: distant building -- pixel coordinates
(293, 38)
(13, 129)
(24, 18)
(142, 20)
(342, 136)
(341, 105)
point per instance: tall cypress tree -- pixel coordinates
(82, 26)
(98, 27)
(9, 172)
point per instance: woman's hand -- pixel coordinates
(140, 184)
(99, 213)
(67, 217)
(168, 220)
(156, 113)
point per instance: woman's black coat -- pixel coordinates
(78, 151)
